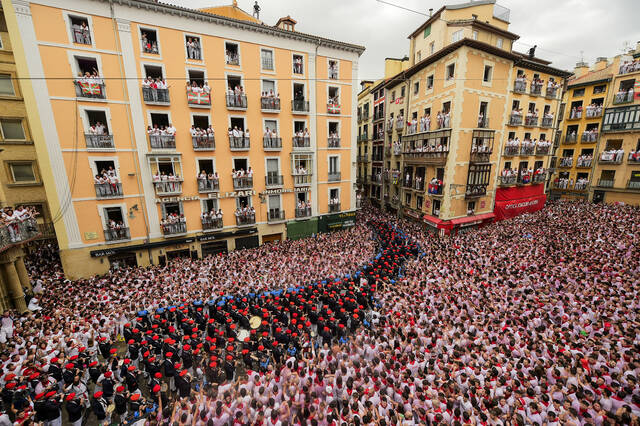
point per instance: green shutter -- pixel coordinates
(427, 31)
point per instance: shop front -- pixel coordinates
(517, 200)
(335, 222)
(247, 242)
(302, 228)
(270, 238)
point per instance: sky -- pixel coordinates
(565, 31)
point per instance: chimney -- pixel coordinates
(581, 69)
(601, 63)
(431, 13)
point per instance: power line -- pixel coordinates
(402, 7)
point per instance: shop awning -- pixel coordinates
(472, 219)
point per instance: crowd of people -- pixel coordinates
(17, 224)
(383, 324)
(533, 146)
(630, 66)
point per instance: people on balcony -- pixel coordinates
(107, 181)
(270, 100)
(271, 138)
(576, 112)
(232, 57)
(97, 129)
(540, 171)
(297, 65)
(166, 182)
(521, 83)
(516, 114)
(590, 135)
(198, 92)
(418, 183)
(634, 156)
(81, 33)
(390, 123)
(547, 117)
(528, 147)
(542, 146)
(400, 120)
(624, 95)
(553, 86)
(304, 205)
(173, 223)
(584, 160)
(235, 97)
(333, 140)
(193, 48)
(397, 148)
(116, 230)
(334, 201)
(508, 175)
(412, 126)
(612, 155)
(154, 85)
(434, 186)
(512, 146)
(212, 217)
(480, 147)
(202, 135)
(563, 183)
(532, 117)
(299, 170)
(17, 224)
(443, 119)
(425, 123)
(581, 184)
(161, 134)
(536, 85)
(630, 66)
(245, 214)
(594, 110)
(148, 46)
(90, 83)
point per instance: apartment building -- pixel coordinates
(171, 132)
(466, 96)
(363, 173)
(616, 174)
(577, 142)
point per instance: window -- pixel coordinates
(432, 47)
(12, 129)
(474, 35)
(393, 96)
(427, 31)
(6, 85)
(298, 64)
(486, 77)
(430, 82)
(456, 36)
(578, 92)
(451, 71)
(416, 87)
(333, 69)
(599, 89)
(402, 92)
(471, 207)
(232, 53)
(80, 30)
(149, 41)
(499, 43)
(266, 57)
(194, 47)
(418, 56)
(435, 211)
(333, 165)
(22, 172)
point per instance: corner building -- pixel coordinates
(220, 48)
(462, 68)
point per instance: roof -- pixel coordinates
(484, 26)
(237, 23)
(230, 11)
(518, 60)
(592, 77)
(450, 7)
(287, 18)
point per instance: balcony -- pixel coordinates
(376, 179)
(623, 97)
(589, 137)
(99, 141)
(301, 179)
(566, 162)
(46, 230)
(543, 150)
(198, 99)
(379, 115)
(171, 229)
(168, 187)
(301, 143)
(208, 185)
(480, 154)
(152, 96)
(302, 212)
(333, 108)
(605, 183)
(108, 190)
(162, 141)
(204, 143)
(242, 183)
(520, 86)
(531, 121)
(628, 67)
(117, 234)
(511, 150)
(363, 158)
(547, 122)
(536, 88)
(571, 138)
(551, 93)
(334, 207)
(236, 102)
(575, 114)
(387, 151)
(429, 157)
(333, 142)
(539, 178)
(271, 143)
(334, 177)
(245, 219)
(611, 157)
(594, 112)
(397, 149)
(299, 107)
(435, 189)
(528, 149)
(634, 157)
(239, 143)
(483, 122)
(400, 124)
(273, 180)
(507, 180)
(89, 89)
(210, 224)
(475, 190)
(584, 163)
(269, 104)
(275, 215)
(515, 120)
(633, 185)
(418, 184)
(18, 232)
(363, 138)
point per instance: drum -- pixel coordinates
(255, 322)
(243, 334)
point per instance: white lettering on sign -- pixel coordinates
(520, 205)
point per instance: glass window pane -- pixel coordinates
(6, 85)
(12, 129)
(22, 172)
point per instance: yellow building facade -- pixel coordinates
(465, 95)
(250, 78)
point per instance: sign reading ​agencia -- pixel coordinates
(176, 199)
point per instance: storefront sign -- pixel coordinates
(176, 199)
(134, 247)
(221, 235)
(336, 221)
(412, 214)
(232, 194)
(285, 190)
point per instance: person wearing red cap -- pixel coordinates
(75, 409)
(121, 401)
(99, 407)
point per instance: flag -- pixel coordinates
(200, 98)
(92, 89)
(333, 109)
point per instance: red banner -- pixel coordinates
(515, 192)
(513, 208)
